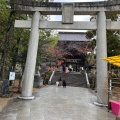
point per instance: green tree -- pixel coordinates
(14, 42)
(47, 40)
(5, 25)
(113, 42)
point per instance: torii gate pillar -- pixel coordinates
(102, 82)
(31, 58)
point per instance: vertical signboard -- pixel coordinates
(67, 13)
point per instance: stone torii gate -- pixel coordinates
(67, 10)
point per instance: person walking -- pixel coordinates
(60, 81)
(63, 67)
(64, 83)
(70, 68)
(57, 83)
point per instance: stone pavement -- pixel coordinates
(57, 103)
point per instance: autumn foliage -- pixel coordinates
(67, 50)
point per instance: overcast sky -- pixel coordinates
(77, 0)
(76, 18)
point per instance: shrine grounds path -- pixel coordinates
(57, 103)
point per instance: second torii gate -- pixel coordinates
(67, 10)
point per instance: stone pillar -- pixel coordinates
(102, 82)
(31, 58)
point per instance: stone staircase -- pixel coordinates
(72, 79)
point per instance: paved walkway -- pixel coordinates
(57, 103)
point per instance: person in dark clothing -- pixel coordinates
(64, 83)
(63, 66)
(60, 81)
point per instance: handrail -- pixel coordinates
(116, 83)
(51, 77)
(88, 84)
(115, 78)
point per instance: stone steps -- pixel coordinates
(72, 79)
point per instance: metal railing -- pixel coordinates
(114, 88)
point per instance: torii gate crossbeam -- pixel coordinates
(57, 25)
(52, 8)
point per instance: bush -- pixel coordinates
(92, 80)
(46, 76)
